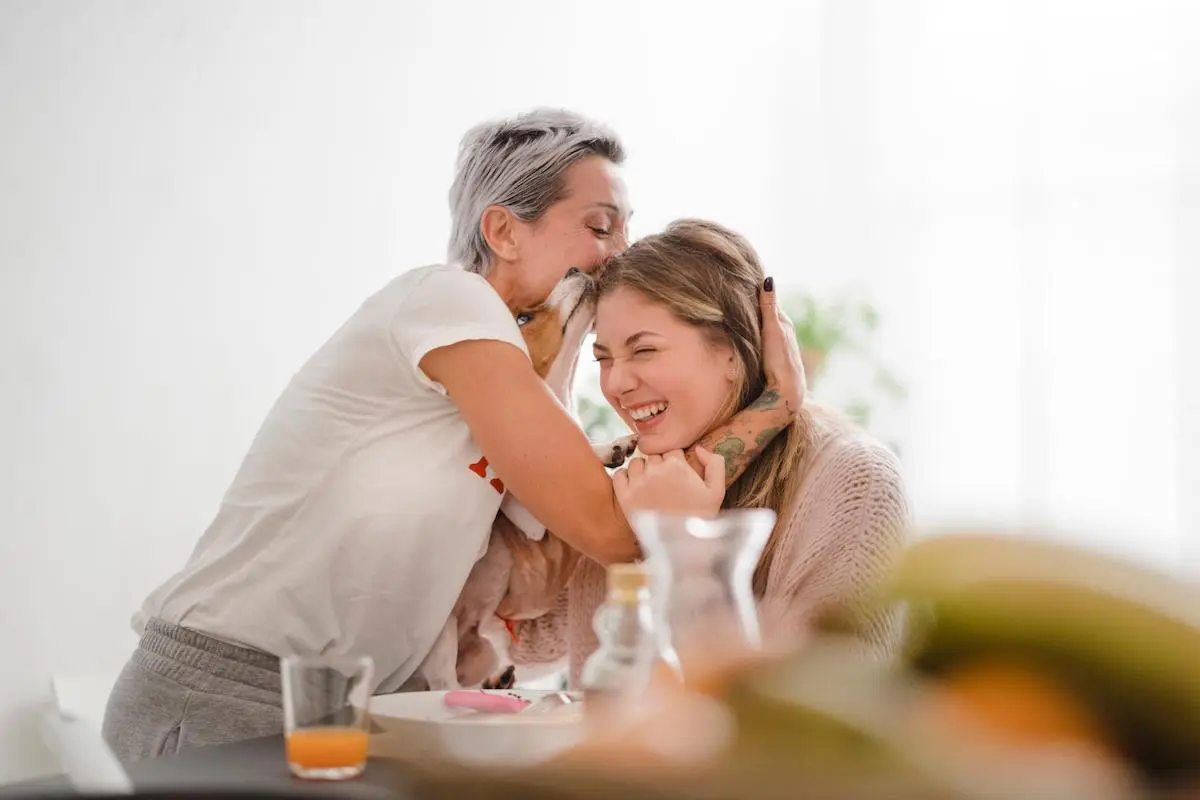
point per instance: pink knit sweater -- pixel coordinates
(845, 527)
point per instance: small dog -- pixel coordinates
(523, 563)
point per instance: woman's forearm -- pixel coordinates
(535, 448)
(740, 439)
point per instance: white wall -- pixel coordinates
(194, 194)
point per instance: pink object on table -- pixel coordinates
(482, 701)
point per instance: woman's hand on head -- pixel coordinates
(781, 351)
(668, 483)
(744, 437)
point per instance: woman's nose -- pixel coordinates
(619, 379)
(617, 241)
(620, 241)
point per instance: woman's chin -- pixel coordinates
(656, 443)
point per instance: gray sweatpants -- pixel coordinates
(183, 689)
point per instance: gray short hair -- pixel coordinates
(517, 163)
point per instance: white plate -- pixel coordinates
(420, 723)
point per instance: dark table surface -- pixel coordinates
(255, 765)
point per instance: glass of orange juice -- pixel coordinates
(326, 715)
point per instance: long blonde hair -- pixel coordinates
(709, 277)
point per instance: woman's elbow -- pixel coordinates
(604, 536)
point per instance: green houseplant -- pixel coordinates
(842, 326)
(599, 421)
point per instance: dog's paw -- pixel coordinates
(614, 453)
(504, 680)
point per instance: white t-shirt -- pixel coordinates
(363, 502)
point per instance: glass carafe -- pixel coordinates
(701, 574)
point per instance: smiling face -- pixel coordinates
(667, 379)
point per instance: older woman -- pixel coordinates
(367, 494)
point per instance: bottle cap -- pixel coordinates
(626, 578)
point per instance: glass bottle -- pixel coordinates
(619, 671)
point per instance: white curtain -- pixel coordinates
(1007, 182)
(1011, 177)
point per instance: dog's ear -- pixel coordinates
(540, 572)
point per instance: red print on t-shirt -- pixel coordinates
(481, 468)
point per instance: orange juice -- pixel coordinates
(332, 747)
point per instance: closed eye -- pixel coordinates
(599, 231)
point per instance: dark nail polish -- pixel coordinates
(769, 285)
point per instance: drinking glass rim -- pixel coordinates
(348, 666)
